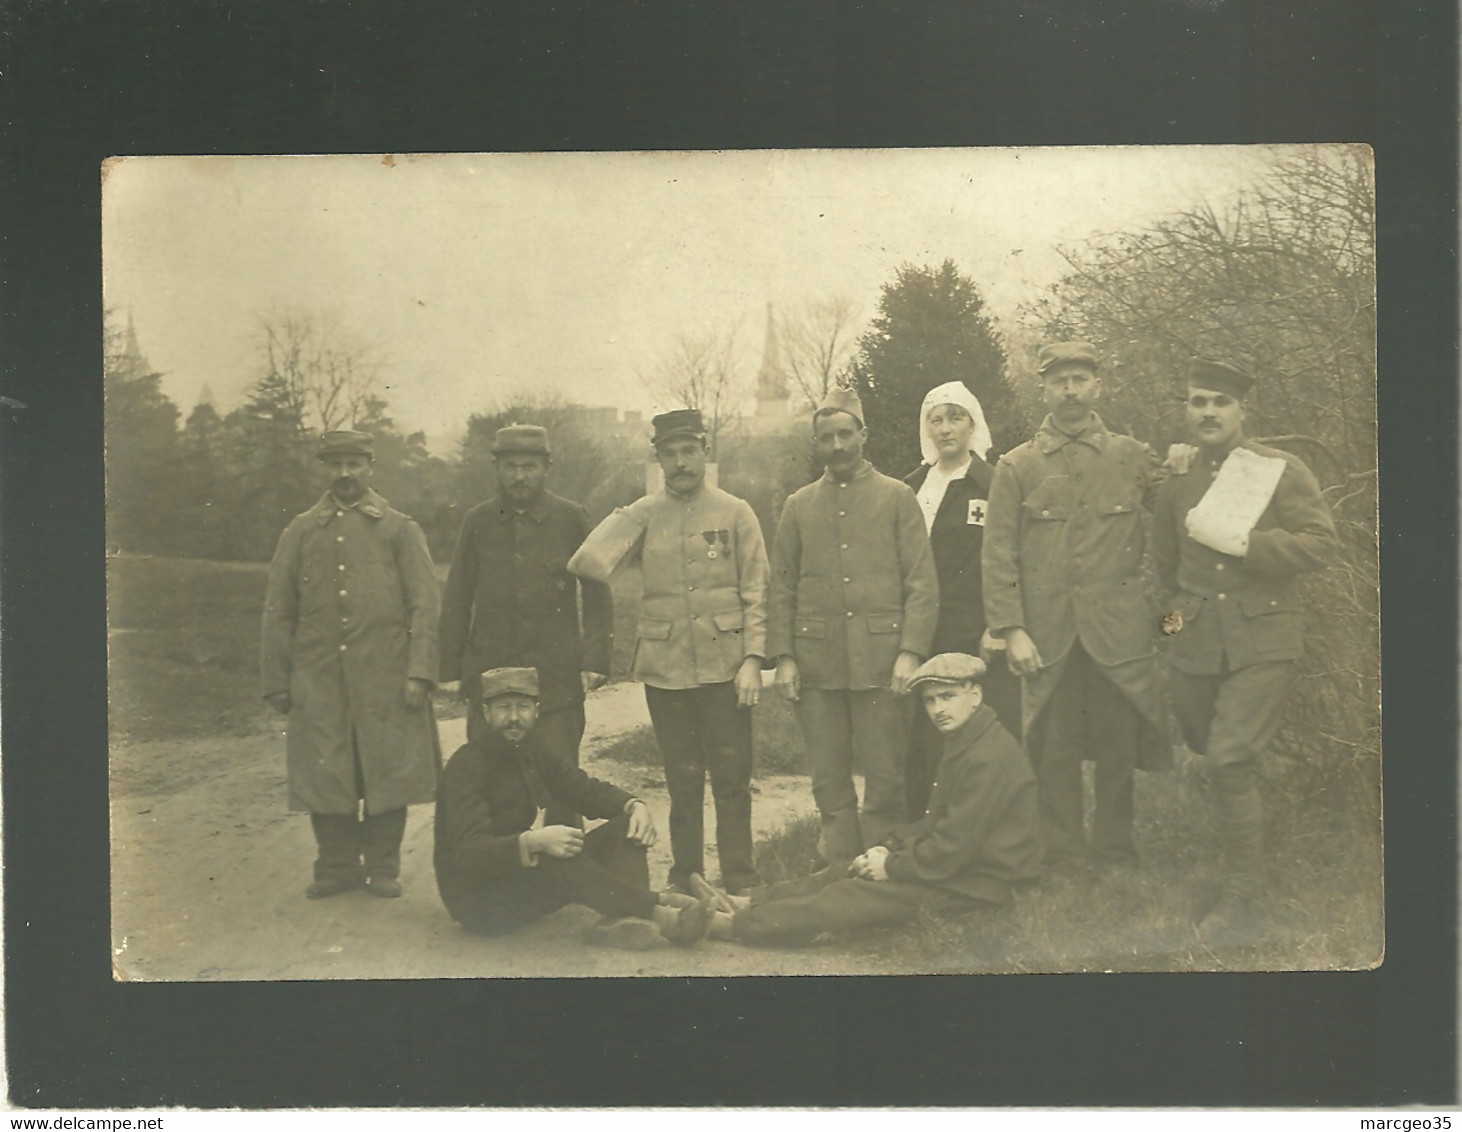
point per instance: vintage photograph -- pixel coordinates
(766, 562)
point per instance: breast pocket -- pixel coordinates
(728, 623)
(1044, 508)
(810, 628)
(650, 629)
(1273, 623)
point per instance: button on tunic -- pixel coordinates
(853, 581)
(705, 588)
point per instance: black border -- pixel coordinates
(82, 81)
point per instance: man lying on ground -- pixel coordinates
(499, 866)
(979, 838)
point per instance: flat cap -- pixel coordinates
(677, 424)
(1068, 354)
(948, 668)
(347, 442)
(508, 681)
(1221, 377)
(840, 400)
(521, 439)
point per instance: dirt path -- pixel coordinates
(209, 871)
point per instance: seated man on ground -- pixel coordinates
(499, 866)
(979, 837)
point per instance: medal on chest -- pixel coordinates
(976, 516)
(714, 538)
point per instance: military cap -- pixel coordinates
(521, 439)
(948, 668)
(1068, 354)
(347, 442)
(840, 400)
(508, 681)
(1221, 377)
(677, 424)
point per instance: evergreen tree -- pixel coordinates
(930, 328)
(208, 512)
(272, 460)
(141, 447)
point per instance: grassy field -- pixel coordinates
(183, 639)
(183, 646)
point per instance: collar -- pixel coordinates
(973, 730)
(1214, 460)
(862, 471)
(371, 505)
(537, 511)
(1049, 438)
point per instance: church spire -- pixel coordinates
(771, 383)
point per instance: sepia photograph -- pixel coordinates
(742, 563)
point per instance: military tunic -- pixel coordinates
(349, 614)
(1063, 559)
(510, 601)
(1236, 612)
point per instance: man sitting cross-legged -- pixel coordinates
(980, 836)
(499, 866)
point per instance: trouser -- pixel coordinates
(868, 728)
(611, 875)
(559, 732)
(1231, 718)
(699, 729)
(344, 840)
(797, 911)
(1086, 717)
(1001, 689)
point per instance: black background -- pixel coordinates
(83, 81)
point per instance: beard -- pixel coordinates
(347, 489)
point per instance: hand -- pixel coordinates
(279, 701)
(1180, 458)
(789, 679)
(873, 865)
(748, 682)
(641, 825)
(904, 668)
(416, 693)
(1022, 655)
(560, 841)
(591, 680)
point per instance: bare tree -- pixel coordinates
(329, 372)
(819, 340)
(705, 371)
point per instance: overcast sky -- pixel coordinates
(478, 276)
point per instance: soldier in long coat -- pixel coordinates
(510, 601)
(349, 654)
(1063, 557)
(851, 614)
(1233, 616)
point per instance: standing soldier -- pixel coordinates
(349, 651)
(1230, 538)
(1064, 586)
(854, 601)
(510, 601)
(699, 645)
